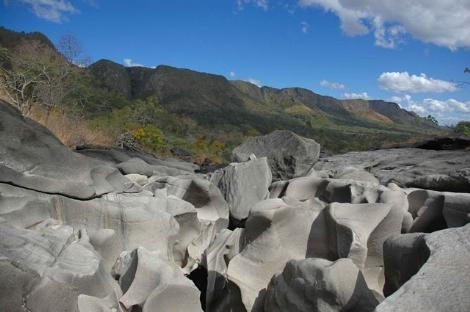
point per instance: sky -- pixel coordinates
(412, 52)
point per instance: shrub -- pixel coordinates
(150, 137)
(463, 128)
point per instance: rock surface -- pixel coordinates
(430, 270)
(319, 285)
(289, 155)
(31, 157)
(409, 167)
(243, 185)
(77, 235)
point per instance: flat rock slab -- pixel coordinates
(409, 167)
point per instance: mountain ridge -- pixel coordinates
(215, 109)
(170, 84)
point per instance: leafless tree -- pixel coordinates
(70, 47)
(36, 75)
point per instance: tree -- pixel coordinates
(463, 128)
(37, 74)
(70, 47)
(432, 119)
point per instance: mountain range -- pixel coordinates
(214, 102)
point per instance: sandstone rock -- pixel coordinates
(211, 208)
(319, 285)
(55, 267)
(138, 179)
(222, 294)
(115, 156)
(274, 234)
(440, 284)
(157, 284)
(243, 185)
(138, 166)
(456, 209)
(289, 155)
(33, 158)
(433, 211)
(371, 213)
(444, 170)
(135, 220)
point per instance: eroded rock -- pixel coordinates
(289, 155)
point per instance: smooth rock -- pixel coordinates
(444, 170)
(289, 155)
(442, 283)
(243, 185)
(319, 285)
(32, 157)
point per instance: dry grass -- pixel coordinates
(71, 132)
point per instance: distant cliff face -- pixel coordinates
(195, 94)
(213, 101)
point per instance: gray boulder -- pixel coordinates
(319, 285)
(289, 155)
(428, 272)
(433, 211)
(32, 157)
(243, 185)
(446, 170)
(152, 283)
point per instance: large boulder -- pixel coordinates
(433, 211)
(428, 272)
(444, 170)
(32, 157)
(289, 155)
(151, 282)
(275, 232)
(243, 185)
(212, 210)
(319, 285)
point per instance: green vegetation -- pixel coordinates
(463, 128)
(160, 109)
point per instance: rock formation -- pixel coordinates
(289, 155)
(107, 230)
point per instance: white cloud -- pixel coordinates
(254, 81)
(446, 111)
(130, 63)
(331, 85)
(51, 10)
(404, 82)
(357, 96)
(259, 3)
(305, 27)
(232, 74)
(444, 23)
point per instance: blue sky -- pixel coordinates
(412, 52)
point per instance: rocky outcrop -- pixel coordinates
(150, 282)
(442, 170)
(319, 285)
(32, 158)
(289, 155)
(244, 185)
(428, 272)
(112, 230)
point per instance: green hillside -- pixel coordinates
(165, 107)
